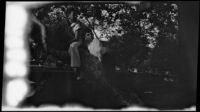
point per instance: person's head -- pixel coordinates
(71, 14)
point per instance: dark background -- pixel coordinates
(189, 27)
(189, 33)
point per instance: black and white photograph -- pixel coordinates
(100, 55)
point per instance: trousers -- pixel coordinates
(74, 54)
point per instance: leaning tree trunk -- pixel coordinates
(94, 70)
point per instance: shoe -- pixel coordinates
(77, 73)
(78, 78)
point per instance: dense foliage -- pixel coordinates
(142, 40)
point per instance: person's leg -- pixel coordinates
(74, 53)
(75, 58)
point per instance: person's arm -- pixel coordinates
(78, 36)
(75, 38)
(77, 33)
